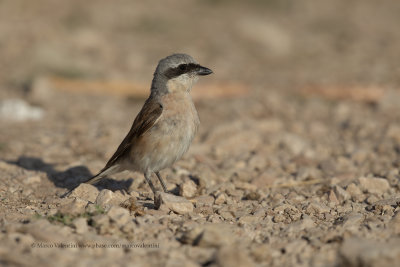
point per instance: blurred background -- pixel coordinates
(264, 43)
(74, 74)
(299, 141)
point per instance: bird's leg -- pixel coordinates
(162, 182)
(148, 176)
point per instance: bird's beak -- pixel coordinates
(203, 71)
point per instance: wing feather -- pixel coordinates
(144, 121)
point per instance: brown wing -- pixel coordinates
(146, 118)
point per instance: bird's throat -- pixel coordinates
(178, 85)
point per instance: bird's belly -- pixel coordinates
(165, 142)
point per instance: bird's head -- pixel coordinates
(179, 72)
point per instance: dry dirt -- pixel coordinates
(303, 170)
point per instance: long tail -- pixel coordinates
(94, 179)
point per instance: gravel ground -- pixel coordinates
(279, 177)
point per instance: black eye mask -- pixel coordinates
(181, 69)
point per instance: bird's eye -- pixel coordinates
(182, 67)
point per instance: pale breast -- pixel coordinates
(180, 113)
(171, 136)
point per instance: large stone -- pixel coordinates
(176, 204)
(118, 215)
(374, 185)
(188, 189)
(106, 198)
(85, 191)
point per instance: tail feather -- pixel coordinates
(94, 179)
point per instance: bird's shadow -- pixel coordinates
(71, 177)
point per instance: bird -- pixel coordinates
(165, 126)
